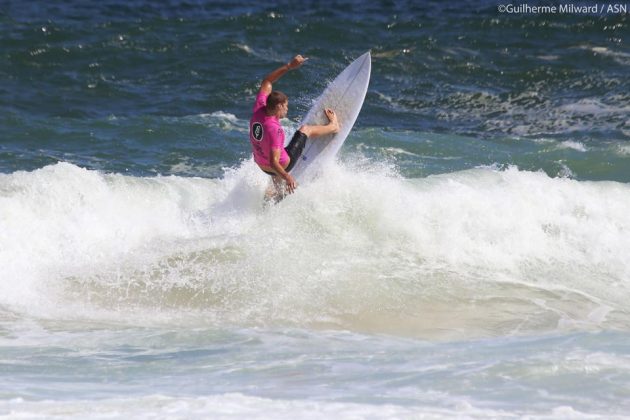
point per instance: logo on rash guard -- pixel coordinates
(257, 131)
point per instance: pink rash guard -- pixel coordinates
(265, 134)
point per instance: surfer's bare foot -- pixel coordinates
(332, 118)
(322, 130)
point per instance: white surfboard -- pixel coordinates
(345, 96)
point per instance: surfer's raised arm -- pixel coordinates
(267, 136)
(267, 84)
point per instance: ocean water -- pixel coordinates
(466, 256)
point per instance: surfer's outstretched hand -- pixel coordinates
(297, 61)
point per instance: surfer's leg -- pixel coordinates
(295, 148)
(321, 130)
(280, 187)
(275, 192)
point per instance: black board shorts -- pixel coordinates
(294, 149)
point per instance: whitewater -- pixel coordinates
(463, 294)
(476, 253)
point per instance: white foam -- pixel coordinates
(574, 145)
(244, 47)
(398, 151)
(235, 405)
(224, 115)
(618, 56)
(224, 120)
(623, 149)
(565, 171)
(595, 107)
(531, 114)
(62, 218)
(359, 248)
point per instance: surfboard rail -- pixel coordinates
(345, 95)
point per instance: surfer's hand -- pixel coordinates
(297, 61)
(291, 184)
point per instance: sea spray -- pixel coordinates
(357, 249)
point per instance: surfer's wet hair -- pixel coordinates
(274, 99)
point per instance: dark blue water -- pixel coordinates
(128, 86)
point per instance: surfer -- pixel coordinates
(267, 136)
